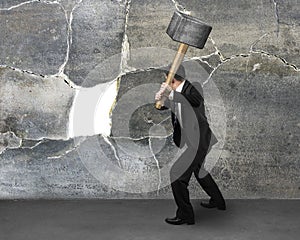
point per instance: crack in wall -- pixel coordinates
(29, 2)
(34, 146)
(276, 10)
(69, 20)
(271, 55)
(246, 55)
(293, 66)
(216, 53)
(217, 50)
(140, 138)
(68, 151)
(9, 140)
(22, 71)
(202, 59)
(157, 165)
(22, 140)
(252, 46)
(40, 141)
(181, 8)
(251, 51)
(125, 51)
(29, 72)
(107, 140)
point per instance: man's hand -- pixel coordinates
(164, 91)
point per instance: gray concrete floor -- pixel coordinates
(144, 219)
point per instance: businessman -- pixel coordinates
(192, 130)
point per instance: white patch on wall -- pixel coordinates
(90, 113)
(256, 66)
(102, 123)
(9, 140)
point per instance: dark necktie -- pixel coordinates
(177, 128)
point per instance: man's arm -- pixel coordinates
(164, 92)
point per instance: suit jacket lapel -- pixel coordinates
(185, 86)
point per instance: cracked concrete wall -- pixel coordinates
(53, 50)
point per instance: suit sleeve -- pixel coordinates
(165, 106)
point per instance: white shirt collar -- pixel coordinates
(179, 88)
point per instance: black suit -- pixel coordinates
(196, 134)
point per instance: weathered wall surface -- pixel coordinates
(59, 54)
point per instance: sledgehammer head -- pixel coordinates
(189, 30)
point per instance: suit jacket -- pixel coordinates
(195, 130)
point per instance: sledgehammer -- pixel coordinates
(189, 31)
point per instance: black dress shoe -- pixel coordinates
(179, 221)
(212, 204)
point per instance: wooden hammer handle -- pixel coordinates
(182, 49)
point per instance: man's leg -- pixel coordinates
(182, 198)
(180, 175)
(211, 188)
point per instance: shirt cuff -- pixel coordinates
(171, 96)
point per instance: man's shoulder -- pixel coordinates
(194, 87)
